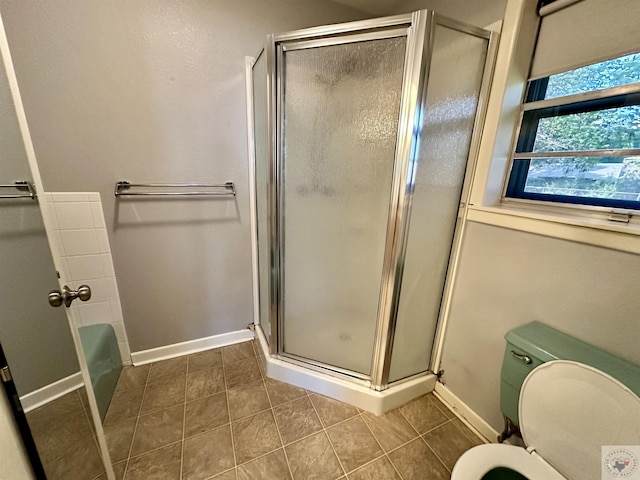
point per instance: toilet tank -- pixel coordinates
(535, 343)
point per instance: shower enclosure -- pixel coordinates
(364, 137)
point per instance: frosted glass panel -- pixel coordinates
(452, 97)
(341, 108)
(262, 195)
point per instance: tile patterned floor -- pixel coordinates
(213, 415)
(65, 438)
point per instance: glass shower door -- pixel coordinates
(338, 124)
(259, 98)
(453, 92)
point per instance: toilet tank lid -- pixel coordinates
(569, 411)
(546, 344)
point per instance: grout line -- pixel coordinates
(305, 437)
(257, 355)
(227, 424)
(326, 434)
(254, 356)
(369, 462)
(104, 469)
(436, 427)
(466, 431)
(344, 470)
(139, 415)
(155, 449)
(87, 417)
(258, 457)
(325, 429)
(364, 419)
(451, 421)
(394, 466)
(439, 404)
(421, 435)
(408, 421)
(317, 414)
(345, 473)
(222, 473)
(308, 394)
(403, 445)
(273, 414)
(96, 478)
(268, 397)
(226, 393)
(428, 431)
(234, 420)
(211, 367)
(436, 454)
(340, 422)
(184, 418)
(407, 443)
(135, 428)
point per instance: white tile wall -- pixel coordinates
(85, 254)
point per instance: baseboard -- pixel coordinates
(474, 421)
(192, 346)
(50, 392)
(356, 394)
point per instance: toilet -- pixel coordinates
(567, 412)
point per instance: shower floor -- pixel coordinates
(214, 415)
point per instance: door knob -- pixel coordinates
(57, 298)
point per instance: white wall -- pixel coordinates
(153, 91)
(507, 278)
(477, 12)
(555, 267)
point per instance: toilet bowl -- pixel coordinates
(568, 412)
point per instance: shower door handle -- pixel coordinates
(57, 298)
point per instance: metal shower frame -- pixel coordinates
(419, 28)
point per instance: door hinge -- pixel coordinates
(5, 374)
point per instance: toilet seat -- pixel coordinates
(568, 411)
(482, 459)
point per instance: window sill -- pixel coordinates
(586, 227)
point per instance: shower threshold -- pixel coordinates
(354, 391)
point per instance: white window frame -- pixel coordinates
(590, 225)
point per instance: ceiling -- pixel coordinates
(475, 12)
(373, 7)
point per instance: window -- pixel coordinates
(579, 141)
